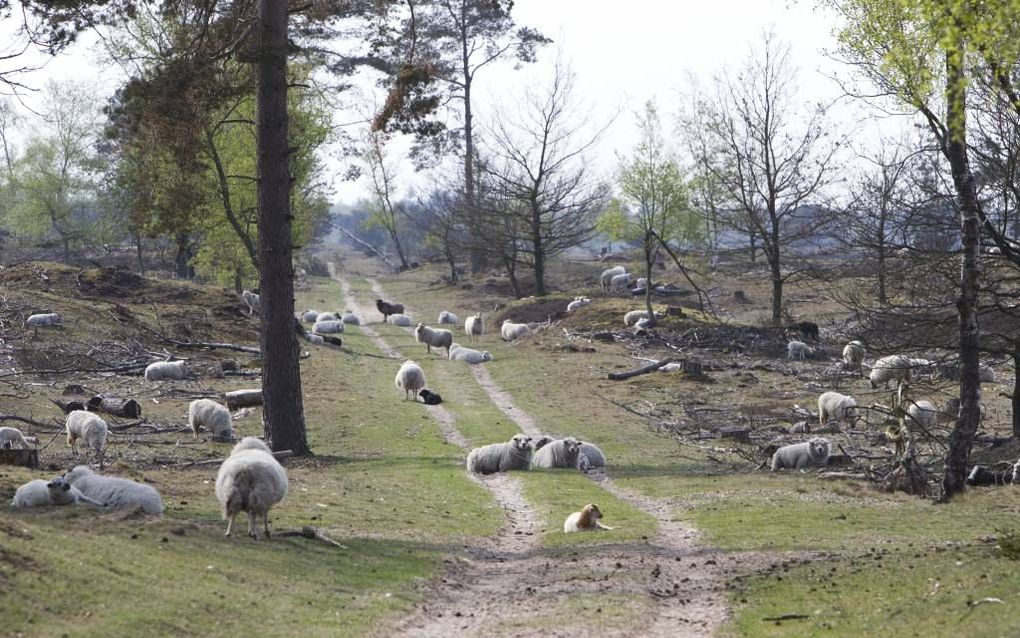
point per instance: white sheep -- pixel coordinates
(89, 428)
(474, 327)
(606, 279)
(578, 302)
(173, 370)
(591, 457)
(115, 492)
(328, 327)
(501, 457)
(446, 317)
(309, 316)
(643, 324)
(798, 350)
(923, 414)
(44, 320)
(837, 406)
(458, 352)
(985, 373)
(399, 320)
(411, 379)
(212, 416)
(513, 331)
(891, 368)
(800, 455)
(558, 453)
(40, 493)
(433, 337)
(632, 317)
(642, 282)
(853, 355)
(620, 282)
(14, 438)
(250, 480)
(587, 520)
(351, 319)
(314, 339)
(327, 316)
(252, 300)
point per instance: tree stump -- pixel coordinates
(740, 296)
(693, 367)
(68, 407)
(21, 458)
(243, 398)
(674, 311)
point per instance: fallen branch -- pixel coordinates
(652, 367)
(313, 533)
(23, 419)
(367, 246)
(785, 617)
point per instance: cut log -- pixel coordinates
(674, 311)
(229, 365)
(21, 458)
(693, 367)
(838, 460)
(651, 367)
(243, 398)
(127, 408)
(68, 407)
(73, 389)
(981, 476)
(735, 432)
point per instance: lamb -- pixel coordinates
(801, 455)
(922, 414)
(891, 368)
(578, 302)
(309, 316)
(798, 350)
(430, 398)
(837, 406)
(411, 379)
(501, 457)
(473, 327)
(44, 320)
(250, 480)
(587, 520)
(400, 320)
(252, 300)
(558, 453)
(89, 428)
(14, 438)
(632, 317)
(458, 352)
(387, 309)
(446, 317)
(116, 493)
(620, 282)
(433, 337)
(606, 279)
(853, 355)
(172, 370)
(327, 316)
(328, 327)
(351, 319)
(212, 416)
(40, 493)
(513, 331)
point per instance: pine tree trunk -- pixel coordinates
(283, 413)
(539, 253)
(777, 294)
(1016, 394)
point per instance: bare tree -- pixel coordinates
(386, 209)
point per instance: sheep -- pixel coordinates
(44, 320)
(591, 456)
(501, 457)
(606, 278)
(87, 427)
(474, 327)
(578, 302)
(351, 319)
(642, 282)
(798, 350)
(620, 282)
(40, 493)
(587, 520)
(632, 317)
(433, 337)
(211, 415)
(643, 324)
(14, 438)
(309, 316)
(328, 327)
(853, 355)
(252, 300)
(513, 331)
(400, 320)
(558, 453)
(172, 370)
(891, 368)
(250, 480)
(458, 352)
(116, 493)
(446, 317)
(800, 455)
(837, 406)
(314, 339)
(411, 379)
(387, 309)
(986, 374)
(327, 316)
(923, 414)
(430, 398)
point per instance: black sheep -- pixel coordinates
(430, 398)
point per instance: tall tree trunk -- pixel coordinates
(283, 411)
(754, 247)
(182, 260)
(777, 295)
(140, 250)
(539, 253)
(883, 298)
(1016, 394)
(67, 250)
(396, 244)
(476, 249)
(651, 246)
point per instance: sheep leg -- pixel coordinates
(253, 527)
(265, 523)
(230, 522)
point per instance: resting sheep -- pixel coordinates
(44, 320)
(430, 398)
(14, 438)
(309, 316)
(892, 368)
(433, 337)
(458, 352)
(559, 453)
(513, 331)
(400, 320)
(40, 493)
(606, 279)
(922, 414)
(501, 457)
(250, 480)
(591, 457)
(411, 379)
(446, 317)
(351, 319)
(116, 493)
(798, 350)
(837, 406)
(327, 316)
(212, 416)
(387, 309)
(800, 455)
(252, 300)
(632, 317)
(587, 520)
(853, 355)
(473, 327)
(89, 428)
(328, 327)
(172, 370)
(578, 302)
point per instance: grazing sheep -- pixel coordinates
(501, 457)
(446, 317)
(351, 319)
(642, 282)
(474, 327)
(327, 316)
(250, 480)
(513, 331)
(252, 300)
(632, 317)
(44, 320)
(40, 493)
(558, 453)
(400, 320)
(433, 337)
(620, 282)
(387, 309)
(430, 398)
(212, 416)
(116, 493)
(411, 379)
(14, 438)
(172, 370)
(800, 455)
(807, 328)
(591, 457)
(578, 302)
(587, 520)
(853, 355)
(837, 406)
(89, 428)
(891, 368)
(328, 327)
(309, 316)
(606, 279)
(798, 350)
(643, 324)
(458, 352)
(923, 414)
